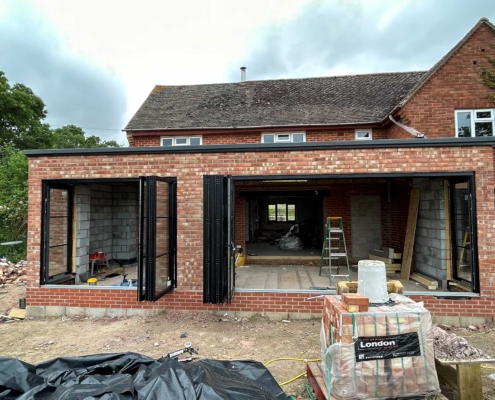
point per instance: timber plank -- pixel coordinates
(446, 374)
(429, 284)
(410, 234)
(469, 386)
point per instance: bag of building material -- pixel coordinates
(390, 355)
(290, 243)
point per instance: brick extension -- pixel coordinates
(455, 85)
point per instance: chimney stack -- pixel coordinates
(243, 74)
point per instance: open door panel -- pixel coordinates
(157, 261)
(219, 248)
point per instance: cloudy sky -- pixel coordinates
(93, 62)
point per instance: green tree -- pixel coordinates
(13, 198)
(22, 127)
(21, 117)
(71, 137)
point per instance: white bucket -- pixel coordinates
(372, 280)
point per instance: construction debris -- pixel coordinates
(451, 347)
(11, 273)
(17, 313)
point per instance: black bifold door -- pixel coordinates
(218, 239)
(157, 258)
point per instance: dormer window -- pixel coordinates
(290, 137)
(363, 134)
(474, 123)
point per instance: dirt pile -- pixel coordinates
(452, 347)
(12, 273)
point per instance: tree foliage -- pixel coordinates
(23, 127)
(71, 137)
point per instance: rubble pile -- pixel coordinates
(452, 347)
(11, 273)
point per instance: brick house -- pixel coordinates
(212, 167)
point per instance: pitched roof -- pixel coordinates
(354, 99)
(444, 59)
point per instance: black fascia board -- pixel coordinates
(264, 147)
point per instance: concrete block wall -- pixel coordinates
(125, 221)
(430, 254)
(101, 220)
(83, 214)
(366, 225)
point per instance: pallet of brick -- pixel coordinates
(386, 352)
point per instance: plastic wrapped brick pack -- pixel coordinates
(390, 356)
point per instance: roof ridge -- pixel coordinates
(439, 64)
(293, 79)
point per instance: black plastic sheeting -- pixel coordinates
(135, 376)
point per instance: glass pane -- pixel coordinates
(464, 124)
(483, 114)
(167, 142)
(180, 141)
(283, 138)
(195, 141)
(57, 263)
(268, 138)
(298, 137)
(464, 266)
(162, 242)
(363, 135)
(271, 212)
(462, 231)
(58, 232)
(291, 212)
(483, 129)
(281, 212)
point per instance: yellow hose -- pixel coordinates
(292, 359)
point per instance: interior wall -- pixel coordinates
(125, 222)
(82, 196)
(366, 225)
(430, 254)
(395, 210)
(101, 220)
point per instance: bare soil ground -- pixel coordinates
(223, 338)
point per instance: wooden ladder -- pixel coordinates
(334, 249)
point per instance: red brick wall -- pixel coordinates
(242, 301)
(456, 85)
(190, 168)
(255, 137)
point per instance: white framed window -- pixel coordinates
(474, 123)
(363, 134)
(289, 137)
(181, 141)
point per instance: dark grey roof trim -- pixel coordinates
(262, 147)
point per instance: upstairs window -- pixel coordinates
(282, 212)
(363, 134)
(474, 123)
(182, 141)
(291, 137)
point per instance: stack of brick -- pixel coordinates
(377, 352)
(12, 273)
